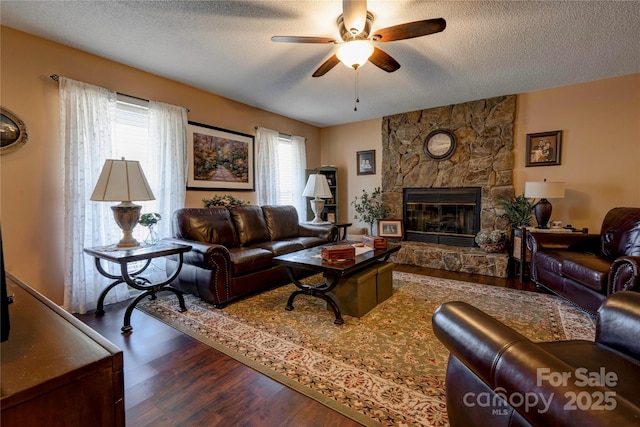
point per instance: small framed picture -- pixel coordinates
(390, 228)
(543, 149)
(366, 162)
(331, 217)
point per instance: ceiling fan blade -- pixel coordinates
(327, 66)
(354, 14)
(383, 60)
(410, 30)
(302, 39)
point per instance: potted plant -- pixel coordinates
(517, 210)
(369, 208)
(491, 241)
(227, 200)
(149, 220)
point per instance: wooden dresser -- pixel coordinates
(56, 371)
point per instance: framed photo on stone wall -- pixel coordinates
(543, 149)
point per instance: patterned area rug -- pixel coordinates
(386, 368)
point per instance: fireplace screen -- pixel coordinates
(449, 216)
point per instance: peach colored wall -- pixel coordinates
(600, 159)
(31, 207)
(339, 147)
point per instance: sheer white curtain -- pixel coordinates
(87, 121)
(168, 129)
(267, 182)
(299, 158)
(88, 117)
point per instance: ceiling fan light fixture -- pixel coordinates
(355, 53)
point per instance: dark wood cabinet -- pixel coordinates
(56, 371)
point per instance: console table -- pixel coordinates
(124, 257)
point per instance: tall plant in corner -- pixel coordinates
(517, 210)
(369, 208)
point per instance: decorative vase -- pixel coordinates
(152, 237)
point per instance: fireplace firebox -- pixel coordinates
(447, 216)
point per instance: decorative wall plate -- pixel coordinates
(440, 144)
(13, 131)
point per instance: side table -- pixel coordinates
(133, 279)
(520, 255)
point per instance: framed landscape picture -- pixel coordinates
(219, 159)
(543, 149)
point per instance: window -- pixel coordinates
(133, 143)
(286, 171)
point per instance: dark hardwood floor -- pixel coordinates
(172, 379)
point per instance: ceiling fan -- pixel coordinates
(355, 30)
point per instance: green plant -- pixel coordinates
(226, 200)
(149, 219)
(517, 210)
(369, 208)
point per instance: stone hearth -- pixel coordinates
(452, 258)
(483, 158)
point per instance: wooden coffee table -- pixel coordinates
(311, 259)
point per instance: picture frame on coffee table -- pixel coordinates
(391, 228)
(219, 159)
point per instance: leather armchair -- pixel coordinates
(586, 268)
(497, 377)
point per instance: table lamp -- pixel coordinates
(543, 190)
(124, 181)
(317, 187)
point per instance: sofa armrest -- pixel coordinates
(200, 254)
(327, 232)
(578, 242)
(624, 274)
(618, 323)
(514, 367)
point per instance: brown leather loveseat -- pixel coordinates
(233, 248)
(497, 378)
(586, 268)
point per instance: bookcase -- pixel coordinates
(330, 212)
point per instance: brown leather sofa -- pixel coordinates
(586, 268)
(233, 248)
(561, 383)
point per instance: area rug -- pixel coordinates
(386, 368)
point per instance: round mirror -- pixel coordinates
(440, 144)
(13, 131)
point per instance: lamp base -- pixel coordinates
(542, 211)
(127, 215)
(317, 206)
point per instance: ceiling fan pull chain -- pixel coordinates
(355, 104)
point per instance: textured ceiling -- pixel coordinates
(224, 47)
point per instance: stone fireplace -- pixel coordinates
(483, 159)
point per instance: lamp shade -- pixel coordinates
(317, 186)
(544, 190)
(122, 181)
(355, 53)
